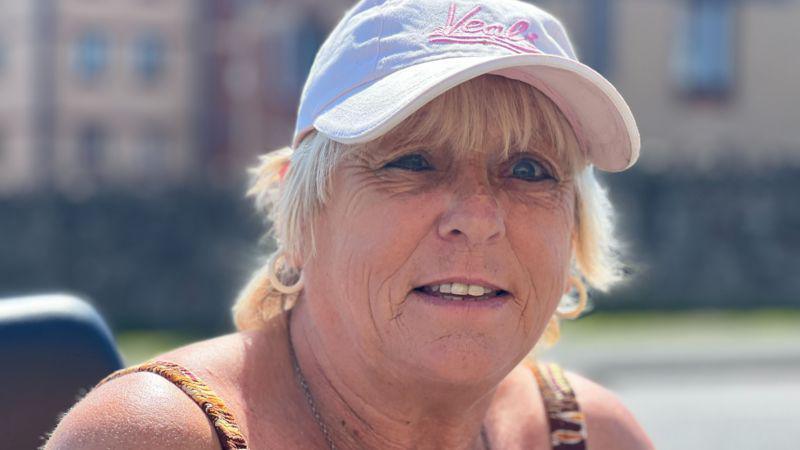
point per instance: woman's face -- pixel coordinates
(406, 221)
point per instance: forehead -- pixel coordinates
(489, 114)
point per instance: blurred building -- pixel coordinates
(143, 94)
(18, 165)
(125, 91)
(710, 81)
(97, 95)
(261, 55)
(154, 93)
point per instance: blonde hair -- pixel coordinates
(291, 187)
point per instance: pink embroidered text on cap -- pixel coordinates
(475, 31)
(388, 58)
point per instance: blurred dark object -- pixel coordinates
(175, 260)
(727, 238)
(53, 349)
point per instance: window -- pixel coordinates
(288, 57)
(92, 148)
(704, 52)
(149, 57)
(308, 38)
(595, 40)
(91, 55)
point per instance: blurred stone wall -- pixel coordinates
(729, 238)
(175, 260)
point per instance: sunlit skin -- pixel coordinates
(399, 370)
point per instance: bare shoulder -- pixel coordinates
(609, 423)
(144, 410)
(138, 410)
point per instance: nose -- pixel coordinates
(474, 217)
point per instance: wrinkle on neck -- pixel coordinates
(361, 413)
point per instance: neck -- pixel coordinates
(365, 409)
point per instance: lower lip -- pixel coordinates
(490, 302)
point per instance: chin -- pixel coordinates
(457, 344)
(459, 359)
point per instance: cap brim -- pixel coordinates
(601, 118)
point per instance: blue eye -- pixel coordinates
(529, 170)
(414, 162)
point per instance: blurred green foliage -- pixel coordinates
(751, 329)
(140, 345)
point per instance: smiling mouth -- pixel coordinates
(462, 292)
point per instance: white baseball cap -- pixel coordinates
(388, 58)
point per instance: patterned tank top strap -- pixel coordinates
(228, 432)
(567, 422)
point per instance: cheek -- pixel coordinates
(373, 236)
(384, 229)
(540, 234)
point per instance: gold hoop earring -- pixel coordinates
(582, 299)
(272, 272)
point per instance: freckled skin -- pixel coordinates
(387, 230)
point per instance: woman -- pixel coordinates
(438, 204)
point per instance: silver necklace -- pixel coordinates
(301, 380)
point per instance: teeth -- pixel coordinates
(472, 290)
(475, 291)
(459, 289)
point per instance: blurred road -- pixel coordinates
(731, 391)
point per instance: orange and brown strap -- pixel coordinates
(567, 422)
(230, 436)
